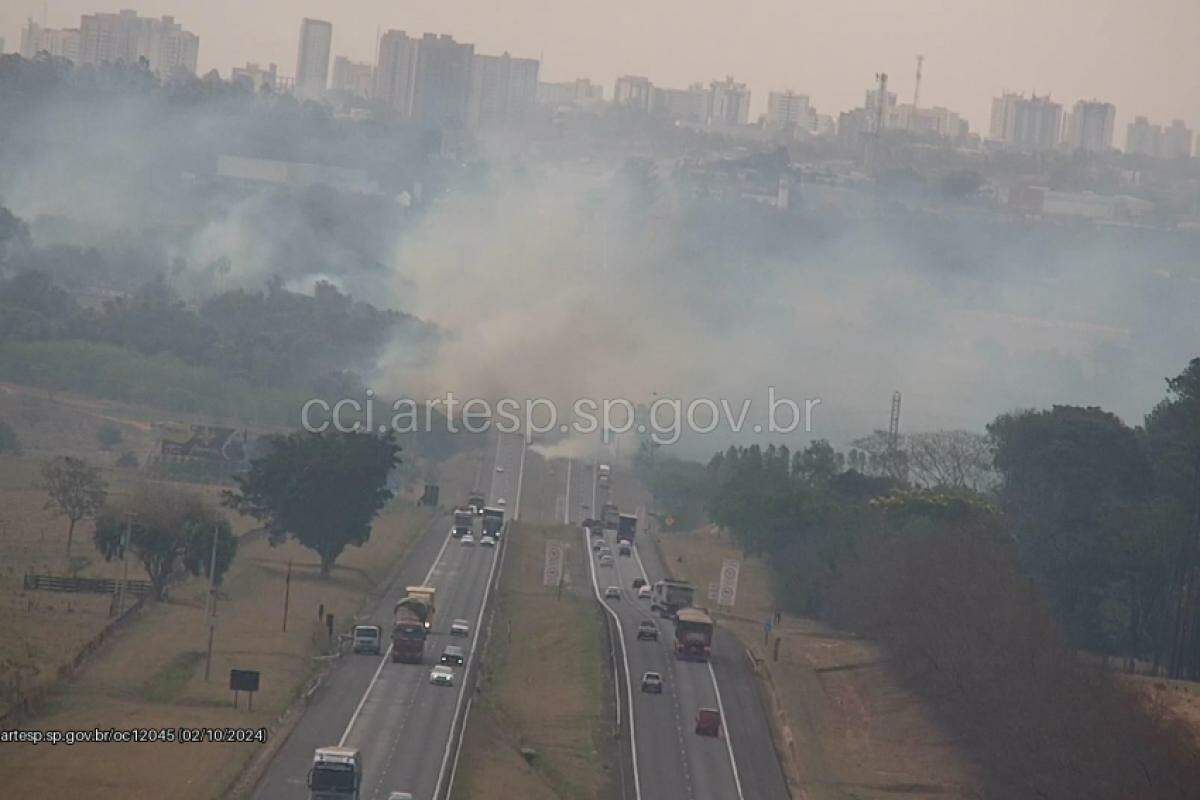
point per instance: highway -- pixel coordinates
(400, 722)
(673, 762)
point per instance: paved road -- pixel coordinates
(401, 722)
(674, 763)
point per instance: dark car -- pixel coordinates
(708, 722)
(652, 682)
(639, 583)
(453, 656)
(647, 630)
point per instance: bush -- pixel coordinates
(127, 459)
(9, 443)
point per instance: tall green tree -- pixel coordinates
(75, 490)
(323, 490)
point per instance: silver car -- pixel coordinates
(441, 676)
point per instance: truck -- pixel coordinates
(476, 502)
(603, 473)
(493, 521)
(336, 774)
(627, 527)
(464, 522)
(668, 596)
(610, 517)
(693, 634)
(412, 618)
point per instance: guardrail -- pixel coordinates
(58, 583)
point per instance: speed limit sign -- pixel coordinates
(727, 591)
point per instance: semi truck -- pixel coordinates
(336, 774)
(610, 517)
(627, 527)
(476, 502)
(412, 620)
(693, 634)
(493, 521)
(668, 596)
(464, 522)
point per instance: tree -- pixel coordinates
(951, 460)
(9, 443)
(109, 436)
(323, 490)
(75, 491)
(168, 530)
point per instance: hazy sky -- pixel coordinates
(1144, 57)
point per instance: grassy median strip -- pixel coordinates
(539, 727)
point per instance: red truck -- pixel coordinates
(412, 619)
(693, 634)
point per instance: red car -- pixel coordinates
(708, 722)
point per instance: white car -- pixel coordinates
(500, 502)
(400, 796)
(441, 675)
(644, 593)
(467, 540)
(460, 627)
(606, 560)
(487, 541)
(499, 468)
(612, 591)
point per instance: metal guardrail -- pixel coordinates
(58, 583)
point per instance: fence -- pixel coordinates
(56, 583)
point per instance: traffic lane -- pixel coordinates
(415, 734)
(328, 713)
(583, 489)
(754, 746)
(504, 482)
(658, 718)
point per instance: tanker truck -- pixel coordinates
(412, 620)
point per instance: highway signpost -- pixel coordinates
(727, 592)
(552, 574)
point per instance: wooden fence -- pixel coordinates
(57, 583)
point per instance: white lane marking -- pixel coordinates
(728, 739)
(637, 783)
(520, 480)
(374, 678)
(567, 496)
(450, 740)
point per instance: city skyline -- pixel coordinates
(1115, 55)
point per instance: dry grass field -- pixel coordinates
(543, 686)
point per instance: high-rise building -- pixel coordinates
(255, 77)
(503, 89)
(126, 37)
(442, 84)
(1029, 124)
(790, 111)
(688, 105)
(1177, 140)
(1, 45)
(570, 93)
(351, 77)
(728, 103)
(632, 91)
(937, 121)
(396, 72)
(61, 43)
(1143, 139)
(1090, 127)
(312, 59)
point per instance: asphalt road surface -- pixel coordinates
(399, 721)
(674, 763)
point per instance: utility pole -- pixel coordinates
(287, 594)
(917, 86)
(124, 564)
(211, 606)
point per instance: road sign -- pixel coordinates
(712, 591)
(727, 592)
(552, 575)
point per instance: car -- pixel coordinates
(453, 655)
(368, 639)
(400, 796)
(638, 583)
(499, 468)
(652, 682)
(487, 541)
(624, 550)
(441, 676)
(460, 627)
(501, 502)
(597, 545)
(467, 540)
(647, 630)
(606, 560)
(708, 722)
(643, 593)
(612, 591)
